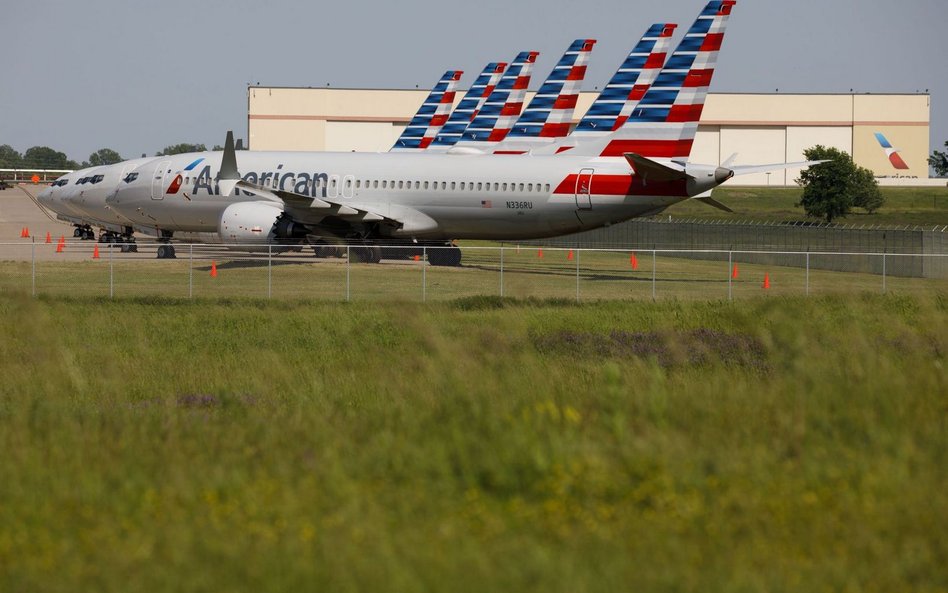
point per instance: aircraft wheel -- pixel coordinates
(166, 252)
(78, 233)
(445, 256)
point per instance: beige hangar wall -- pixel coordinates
(759, 128)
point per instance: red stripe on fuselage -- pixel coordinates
(622, 185)
(566, 102)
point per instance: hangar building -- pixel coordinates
(760, 128)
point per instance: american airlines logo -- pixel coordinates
(892, 153)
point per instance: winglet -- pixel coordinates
(228, 175)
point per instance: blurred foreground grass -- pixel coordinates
(778, 444)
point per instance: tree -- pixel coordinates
(9, 158)
(939, 162)
(181, 148)
(866, 192)
(104, 156)
(832, 189)
(44, 157)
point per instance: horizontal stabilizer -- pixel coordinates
(650, 170)
(714, 203)
(747, 170)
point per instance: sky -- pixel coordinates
(138, 76)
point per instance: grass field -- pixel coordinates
(923, 206)
(774, 444)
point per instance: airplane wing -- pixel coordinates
(307, 209)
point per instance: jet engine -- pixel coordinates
(249, 223)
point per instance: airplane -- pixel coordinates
(420, 200)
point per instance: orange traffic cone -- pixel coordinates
(569, 255)
(766, 281)
(213, 269)
(25, 233)
(417, 258)
(634, 262)
(540, 253)
(95, 252)
(734, 272)
(49, 238)
(61, 245)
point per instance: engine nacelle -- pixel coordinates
(249, 223)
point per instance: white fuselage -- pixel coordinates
(435, 196)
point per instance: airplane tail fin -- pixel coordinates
(551, 110)
(468, 107)
(432, 115)
(665, 121)
(503, 106)
(630, 82)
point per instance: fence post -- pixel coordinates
(730, 273)
(578, 251)
(883, 273)
(111, 274)
(33, 264)
(269, 270)
(807, 273)
(653, 274)
(424, 274)
(348, 261)
(191, 271)
(501, 271)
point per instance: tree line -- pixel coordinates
(44, 157)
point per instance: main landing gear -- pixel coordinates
(84, 232)
(126, 242)
(166, 251)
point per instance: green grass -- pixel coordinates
(776, 444)
(923, 206)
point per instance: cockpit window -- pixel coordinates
(60, 183)
(96, 178)
(130, 177)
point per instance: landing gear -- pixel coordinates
(366, 254)
(166, 251)
(84, 232)
(126, 242)
(444, 256)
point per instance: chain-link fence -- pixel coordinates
(78, 268)
(754, 237)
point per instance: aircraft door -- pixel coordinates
(157, 181)
(332, 186)
(347, 184)
(584, 189)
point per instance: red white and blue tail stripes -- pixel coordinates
(498, 114)
(630, 82)
(432, 115)
(468, 107)
(665, 121)
(550, 112)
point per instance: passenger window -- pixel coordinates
(505, 187)
(444, 185)
(426, 185)
(417, 184)
(521, 187)
(548, 188)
